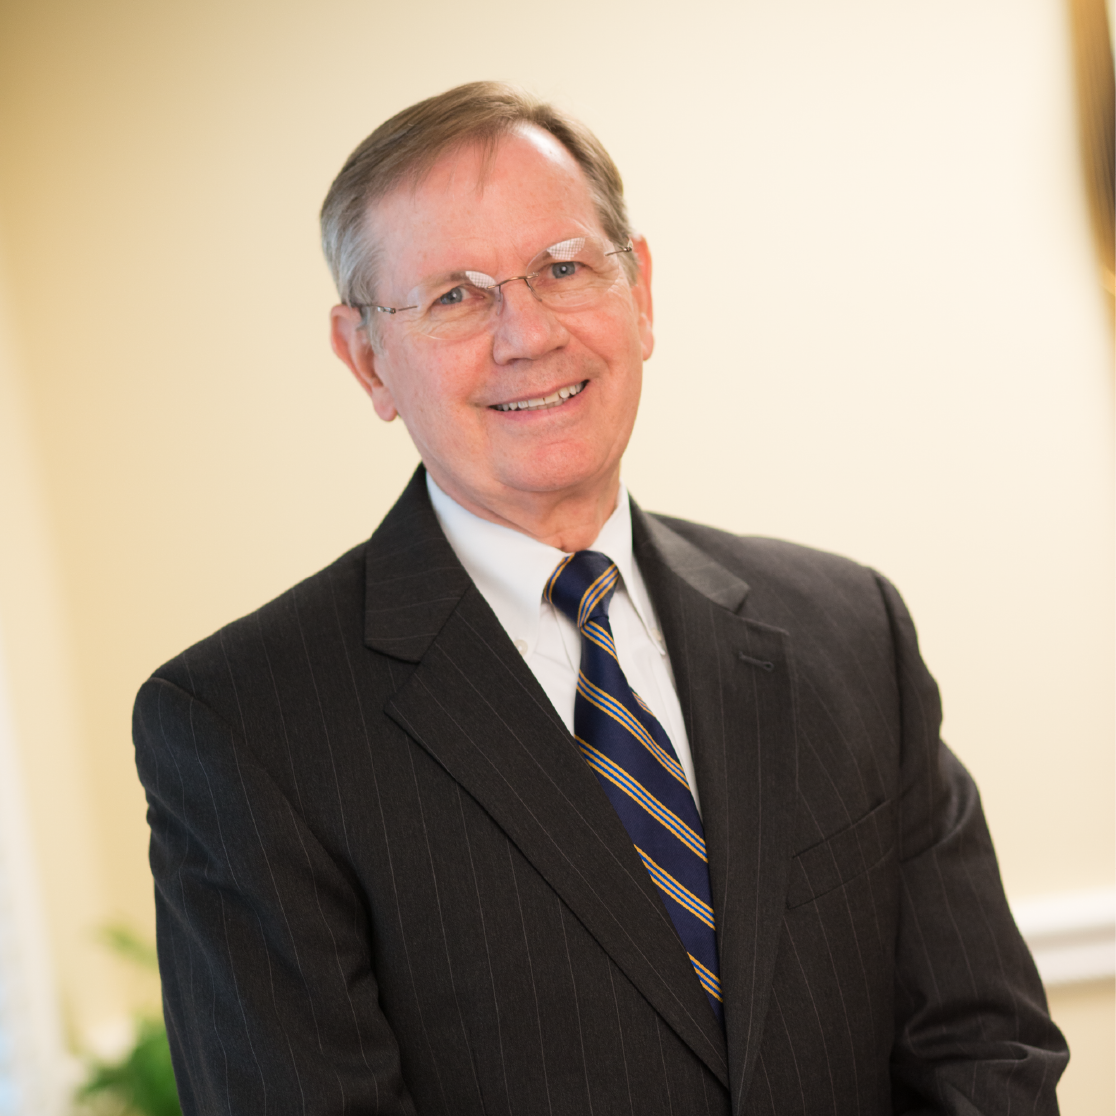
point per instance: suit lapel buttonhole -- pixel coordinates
(763, 664)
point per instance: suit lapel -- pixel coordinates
(735, 686)
(475, 706)
(413, 580)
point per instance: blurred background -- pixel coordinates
(882, 329)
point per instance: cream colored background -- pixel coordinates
(879, 332)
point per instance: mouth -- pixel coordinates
(546, 402)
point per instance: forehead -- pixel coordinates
(512, 201)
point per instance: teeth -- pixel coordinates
(555, 399)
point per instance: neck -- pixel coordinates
(568, 521)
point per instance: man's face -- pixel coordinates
(494, 217)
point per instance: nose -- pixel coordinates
(525, 329)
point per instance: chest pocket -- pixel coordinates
(843, 856)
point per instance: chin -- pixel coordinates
(548, 475)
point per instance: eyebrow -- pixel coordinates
(564, 249)
(444, 277)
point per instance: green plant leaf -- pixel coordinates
(144, 1079)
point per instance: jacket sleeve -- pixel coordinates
(264, 944)
(972, 1033)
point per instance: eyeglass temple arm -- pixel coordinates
(380, 309)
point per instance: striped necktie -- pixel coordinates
(636, 764)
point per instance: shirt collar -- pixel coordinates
(511, 569)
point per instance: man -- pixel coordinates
(535, 803)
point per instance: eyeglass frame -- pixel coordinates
(365, 306)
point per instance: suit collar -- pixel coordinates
(654, 541)
(413, 579)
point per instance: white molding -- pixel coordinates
(1072, 934)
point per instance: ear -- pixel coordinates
(352, 345)
(641, 292)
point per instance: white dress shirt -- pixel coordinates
(511, 570)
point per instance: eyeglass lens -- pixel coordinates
(570, 275)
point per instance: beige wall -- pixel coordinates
(879, 331)
(54, 758)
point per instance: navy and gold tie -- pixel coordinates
(636, 764)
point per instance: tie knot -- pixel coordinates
(582, 585)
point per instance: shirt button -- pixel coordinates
(521, 647)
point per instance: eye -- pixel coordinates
(452, 298)
(563, 270)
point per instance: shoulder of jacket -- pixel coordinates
(754, 557)
(839, 602)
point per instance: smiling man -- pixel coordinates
(535, 803)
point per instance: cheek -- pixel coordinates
(621, 351)
(613, 333)
(433, 381)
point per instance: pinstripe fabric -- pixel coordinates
(386, 882)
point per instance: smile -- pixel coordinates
(555, 399)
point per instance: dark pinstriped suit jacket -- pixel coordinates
(387, 882)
